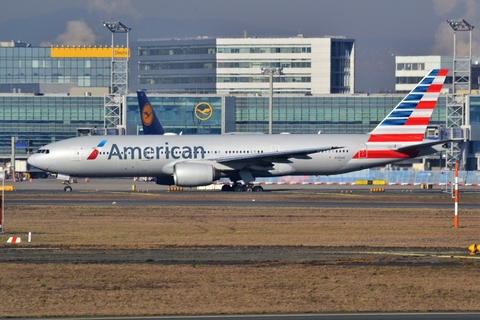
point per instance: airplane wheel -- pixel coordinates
(257, 189)
(249, 189)
(240, 188)
(226, 187)
(67, 189)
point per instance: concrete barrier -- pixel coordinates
(14, 240)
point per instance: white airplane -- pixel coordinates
(198, 160)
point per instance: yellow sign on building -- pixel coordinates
(88, 52)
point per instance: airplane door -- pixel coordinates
(362, 151)
(76, 153)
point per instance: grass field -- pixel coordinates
(36, 290)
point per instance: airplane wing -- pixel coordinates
(273, 156)
(242, 163)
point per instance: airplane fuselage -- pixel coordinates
(130, 156)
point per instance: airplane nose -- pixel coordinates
(31, 160)
(36, 161)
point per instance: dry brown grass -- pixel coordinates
(33, 290)
(146, 226)
(88, 290)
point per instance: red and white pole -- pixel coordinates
(1, 214)
(2, 201)
(456, 195)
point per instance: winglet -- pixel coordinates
(150, 122)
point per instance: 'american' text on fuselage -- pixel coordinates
(151, 153)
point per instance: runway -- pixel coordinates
(126, 184)
(100, 192)
(241, 255)
(246, 203)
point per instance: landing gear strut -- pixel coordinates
(67, 187)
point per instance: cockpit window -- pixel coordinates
(44, 151)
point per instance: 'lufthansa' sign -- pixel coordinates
(203, 111)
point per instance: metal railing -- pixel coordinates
(391, 177)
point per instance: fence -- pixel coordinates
(391, 177)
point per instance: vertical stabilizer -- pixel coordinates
(150, 122)
(408, 121)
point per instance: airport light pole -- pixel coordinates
(114, 111)
(461, 74)
(270, 72)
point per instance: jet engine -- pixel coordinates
(165, 180)
(188, 174)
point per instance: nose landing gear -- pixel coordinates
(67, 187)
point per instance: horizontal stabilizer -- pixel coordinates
(421, 145)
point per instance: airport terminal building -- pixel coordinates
(234, 65)
(409, 70)
(50, 94)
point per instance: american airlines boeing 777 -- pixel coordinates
(199, 160)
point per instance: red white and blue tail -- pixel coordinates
(409, 120)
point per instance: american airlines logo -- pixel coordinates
(94, 154)
(150, 152)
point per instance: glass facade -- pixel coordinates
(414, 80)
(162, 80)
(474, 110)
(303, 63)
(262, 78)
(474, 146)
(174, 50)
(328, 114)
(35, 65)
(411, 66)
(185, 66)
(341, 68)
(264, 49)
(45, 119)
(177, 114)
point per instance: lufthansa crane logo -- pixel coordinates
(203, 111)
(147, 114)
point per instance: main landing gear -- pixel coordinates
(242, 188)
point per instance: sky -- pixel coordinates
(382, 29)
